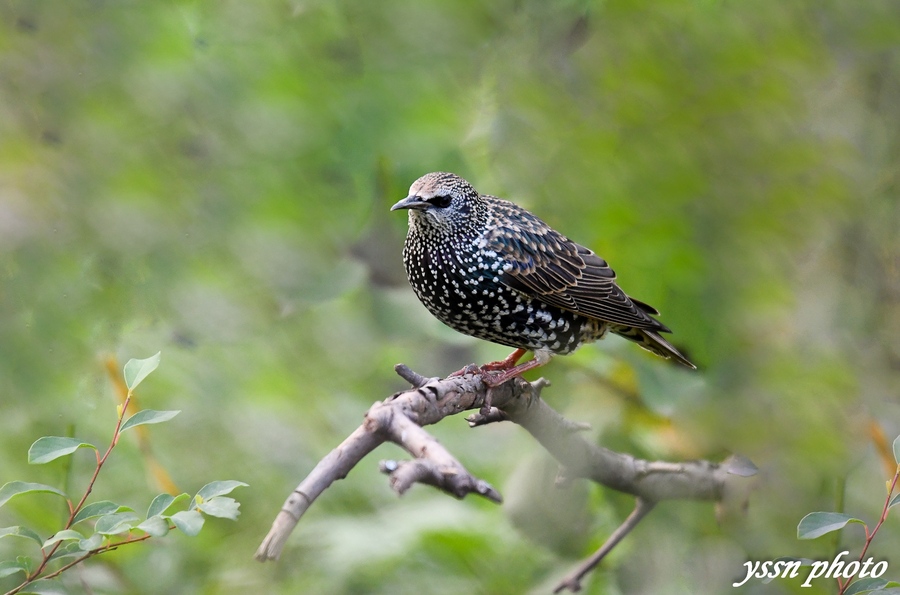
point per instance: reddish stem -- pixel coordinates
(89, 554)
(884, 513)
(871, 535)
(100, 463)
(74, 511)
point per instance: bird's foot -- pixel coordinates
(505, 364)
(494, 376)
(470, 369)
(490, 376)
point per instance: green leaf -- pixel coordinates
(64, 535)
(218, 488)
(14, 488)
(91, 543)
(67, 549)
(188, 522)
(865, 585)
(25, 562)
(10, 567)
(164, 502)
(897, 449)
(160, 504)
(155, 526)
(221, 506)
(96, 509)
(44, 587)
(115, 523)
(50, 448)
(816, 524)
(21, 532)
(894, 500)
(138, 369)
(148, 416)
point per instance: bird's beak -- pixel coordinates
(411, 202)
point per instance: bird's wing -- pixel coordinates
(546, 265)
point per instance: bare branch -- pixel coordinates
(398, 419)
(336, 465)
(401, 417)
(414, 378)
(651, 480)
(573, 581)
(405, 473)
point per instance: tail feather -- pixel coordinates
(652, 342)
(644, 306)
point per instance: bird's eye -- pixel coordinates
(441, 201)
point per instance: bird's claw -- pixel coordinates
(469, 369)
(494, 378)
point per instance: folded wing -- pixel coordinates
(547, 265)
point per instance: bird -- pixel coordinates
(488, 268)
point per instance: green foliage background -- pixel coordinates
(213, 178)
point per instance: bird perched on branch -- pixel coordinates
(488, 268)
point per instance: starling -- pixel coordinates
(488, 268)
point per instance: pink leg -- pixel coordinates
(507, 363)
(504, 364)
(508, 373)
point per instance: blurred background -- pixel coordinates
(212, 179)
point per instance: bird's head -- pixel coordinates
(441, 201)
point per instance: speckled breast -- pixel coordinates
(461, 287)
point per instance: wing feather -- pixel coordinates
(545, 264)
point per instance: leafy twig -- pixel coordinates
(817, 524)
(73, 511)
(870, 535)
(90, 554)
(113, 519)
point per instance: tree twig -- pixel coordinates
(46, 556)
(573, 582)
(400, 419)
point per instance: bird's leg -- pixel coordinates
(506, 364)
(493, 379)
(502, 367)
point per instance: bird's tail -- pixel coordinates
(652, 342)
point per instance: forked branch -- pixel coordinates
(400, 419)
